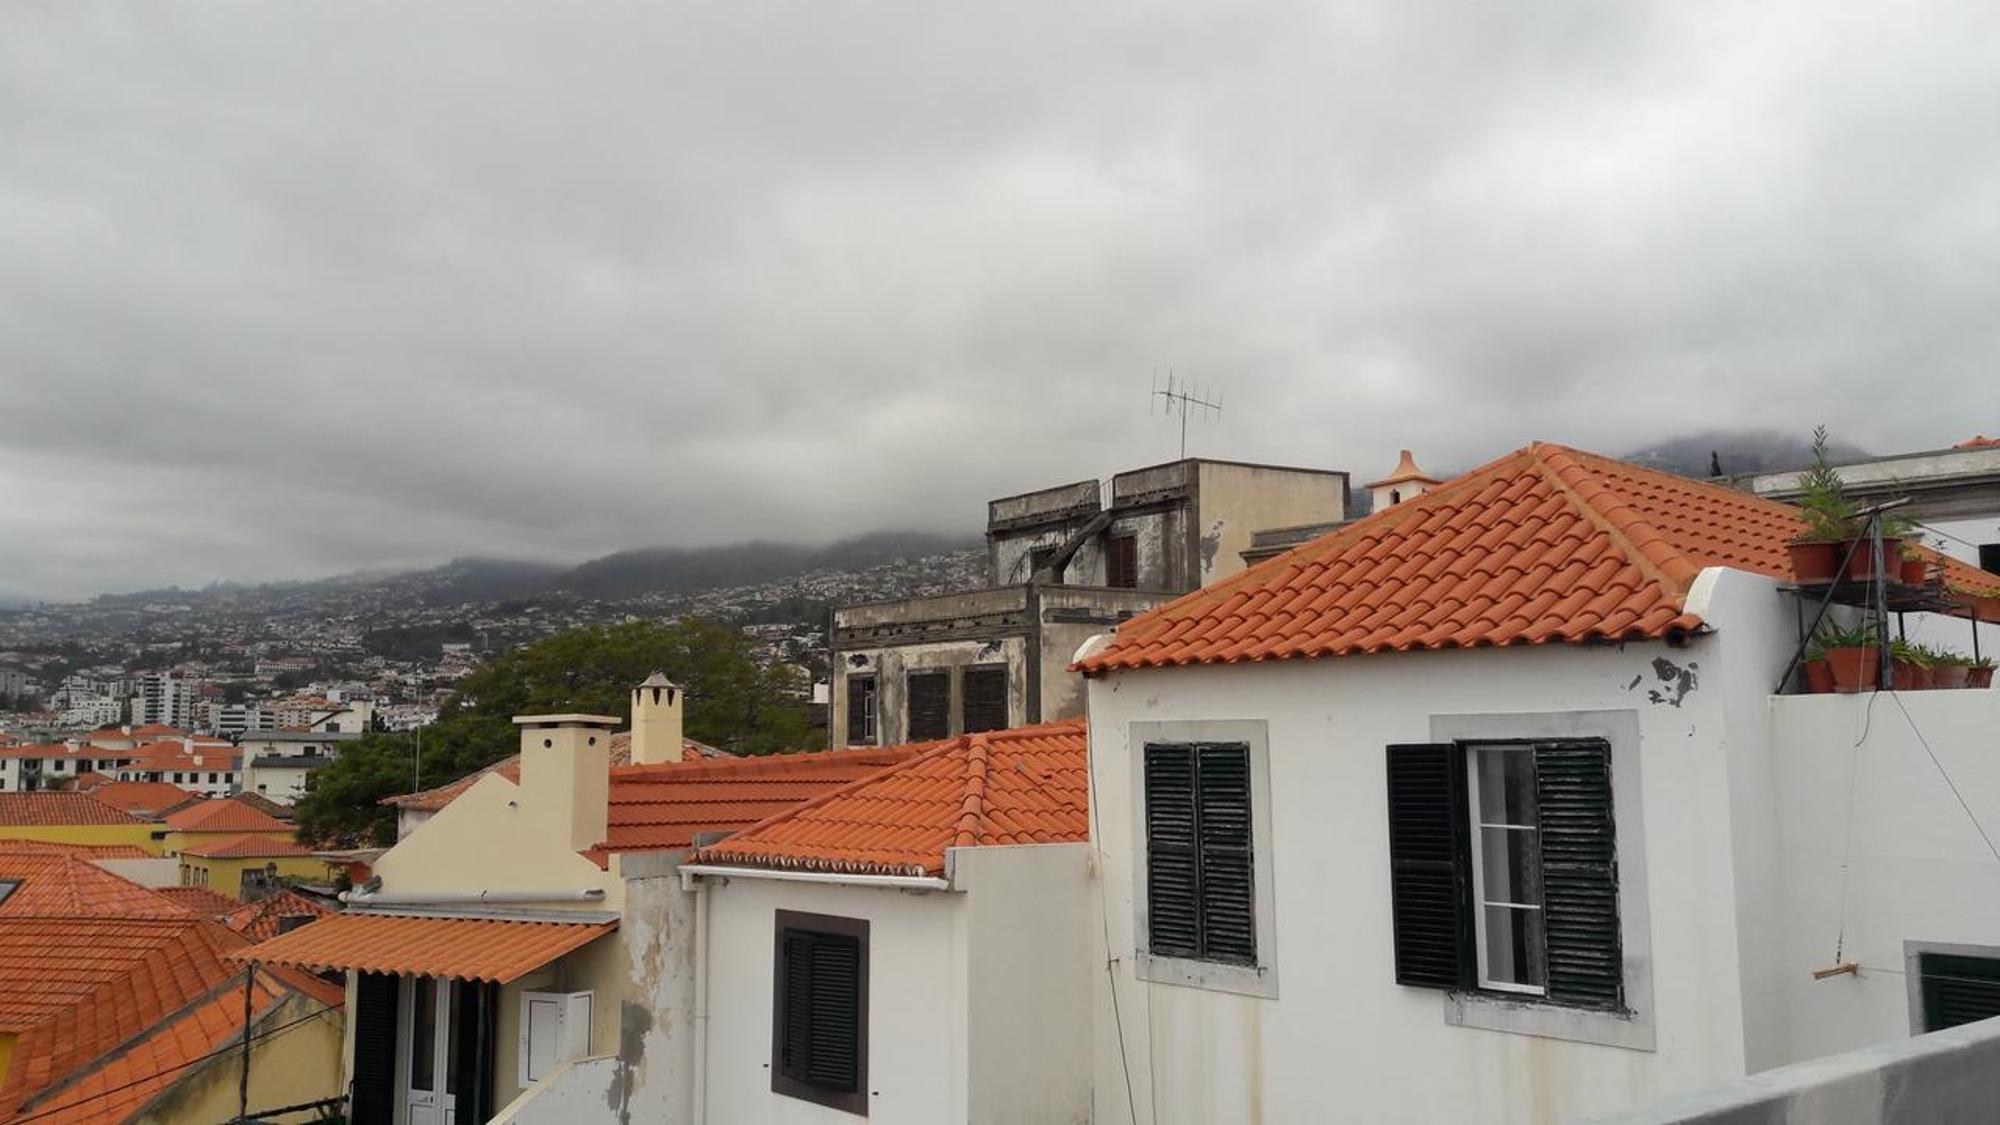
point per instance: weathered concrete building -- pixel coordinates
(1063, 564)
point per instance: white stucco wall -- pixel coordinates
(1029, 969)
(1877, 851)
(917, 1072)
(1341, 1040)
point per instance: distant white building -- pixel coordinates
(89, 711)
(164, 697)
(238, 718)
(276, 763)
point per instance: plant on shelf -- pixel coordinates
(1909, 666)
(1950, 669)
(1830, 518)
(1852, 656)
(1818, 673)
(1979, 673)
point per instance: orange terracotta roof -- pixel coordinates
(485, 949)
(265, 805)
(1979, 442)
(1023, 786)
(223, 814)
(259, 921)
(115, 1087)
(246, 847)
(49, 884)
(156, 757)
(431, 800)
(664, 806)
(141, 798)
(75, 989)
(87, 851)
(58, 809)
(200, 900)
(1547, 544)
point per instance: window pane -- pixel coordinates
(1513, 946)
(1506, 785)
(423, 1034)
(1511, 865)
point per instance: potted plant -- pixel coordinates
(1950, 670)
(1979, 674)
(1818, 673)
(1909, 667)
(1861, 552)
(1916, 567)
(1852, 658)
(1829, 518)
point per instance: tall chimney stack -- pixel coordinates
(566, 776)
(657, 707)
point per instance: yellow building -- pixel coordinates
(72, 818)
(239, 865)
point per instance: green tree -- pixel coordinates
(731, 703)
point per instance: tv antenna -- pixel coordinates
(1177, 396)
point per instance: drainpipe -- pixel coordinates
(701, 1003)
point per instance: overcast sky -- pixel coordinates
(292, 289)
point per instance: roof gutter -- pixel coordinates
(692, 871)
(443, 898)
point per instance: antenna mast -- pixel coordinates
(1182, 397)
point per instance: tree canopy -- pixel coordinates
(732, 703)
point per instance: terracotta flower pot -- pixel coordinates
(1819, 677)
(1905, 676)
(1915, 571)
(1979, 677)
(1853, 668)
(1861, 564)
(1814, 562)
(1950, 675)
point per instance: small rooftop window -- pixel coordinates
(7, 887)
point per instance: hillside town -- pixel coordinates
(1562, 788)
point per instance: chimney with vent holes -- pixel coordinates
(657, 733)
(566, 777)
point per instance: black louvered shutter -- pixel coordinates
(1430, 866)
(930, 705)
(822, 1009)
(372, 1101)
(985, 698)
(1579, 873)
(1121, 561)
(1228, 884)
(1957, 989)
(1200, 856)
(1173, 885)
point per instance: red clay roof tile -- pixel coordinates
(1028, 785)
(224, 814)
(466, 948)
(54, 809)
(1547, 544)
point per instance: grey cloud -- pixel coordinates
(288, 290)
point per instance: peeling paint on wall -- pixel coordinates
(1678, 681)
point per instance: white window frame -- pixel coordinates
(1473, 750)
(1523, 1014)
(1260, 979)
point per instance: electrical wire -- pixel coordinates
(230, 1048)
(1847, 844)
(1949, 783)
(1110, 972)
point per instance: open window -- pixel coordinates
(861, 710)
(819, 1011)
(1504, 870)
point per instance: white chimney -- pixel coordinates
(566, 776)
(657, 732)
